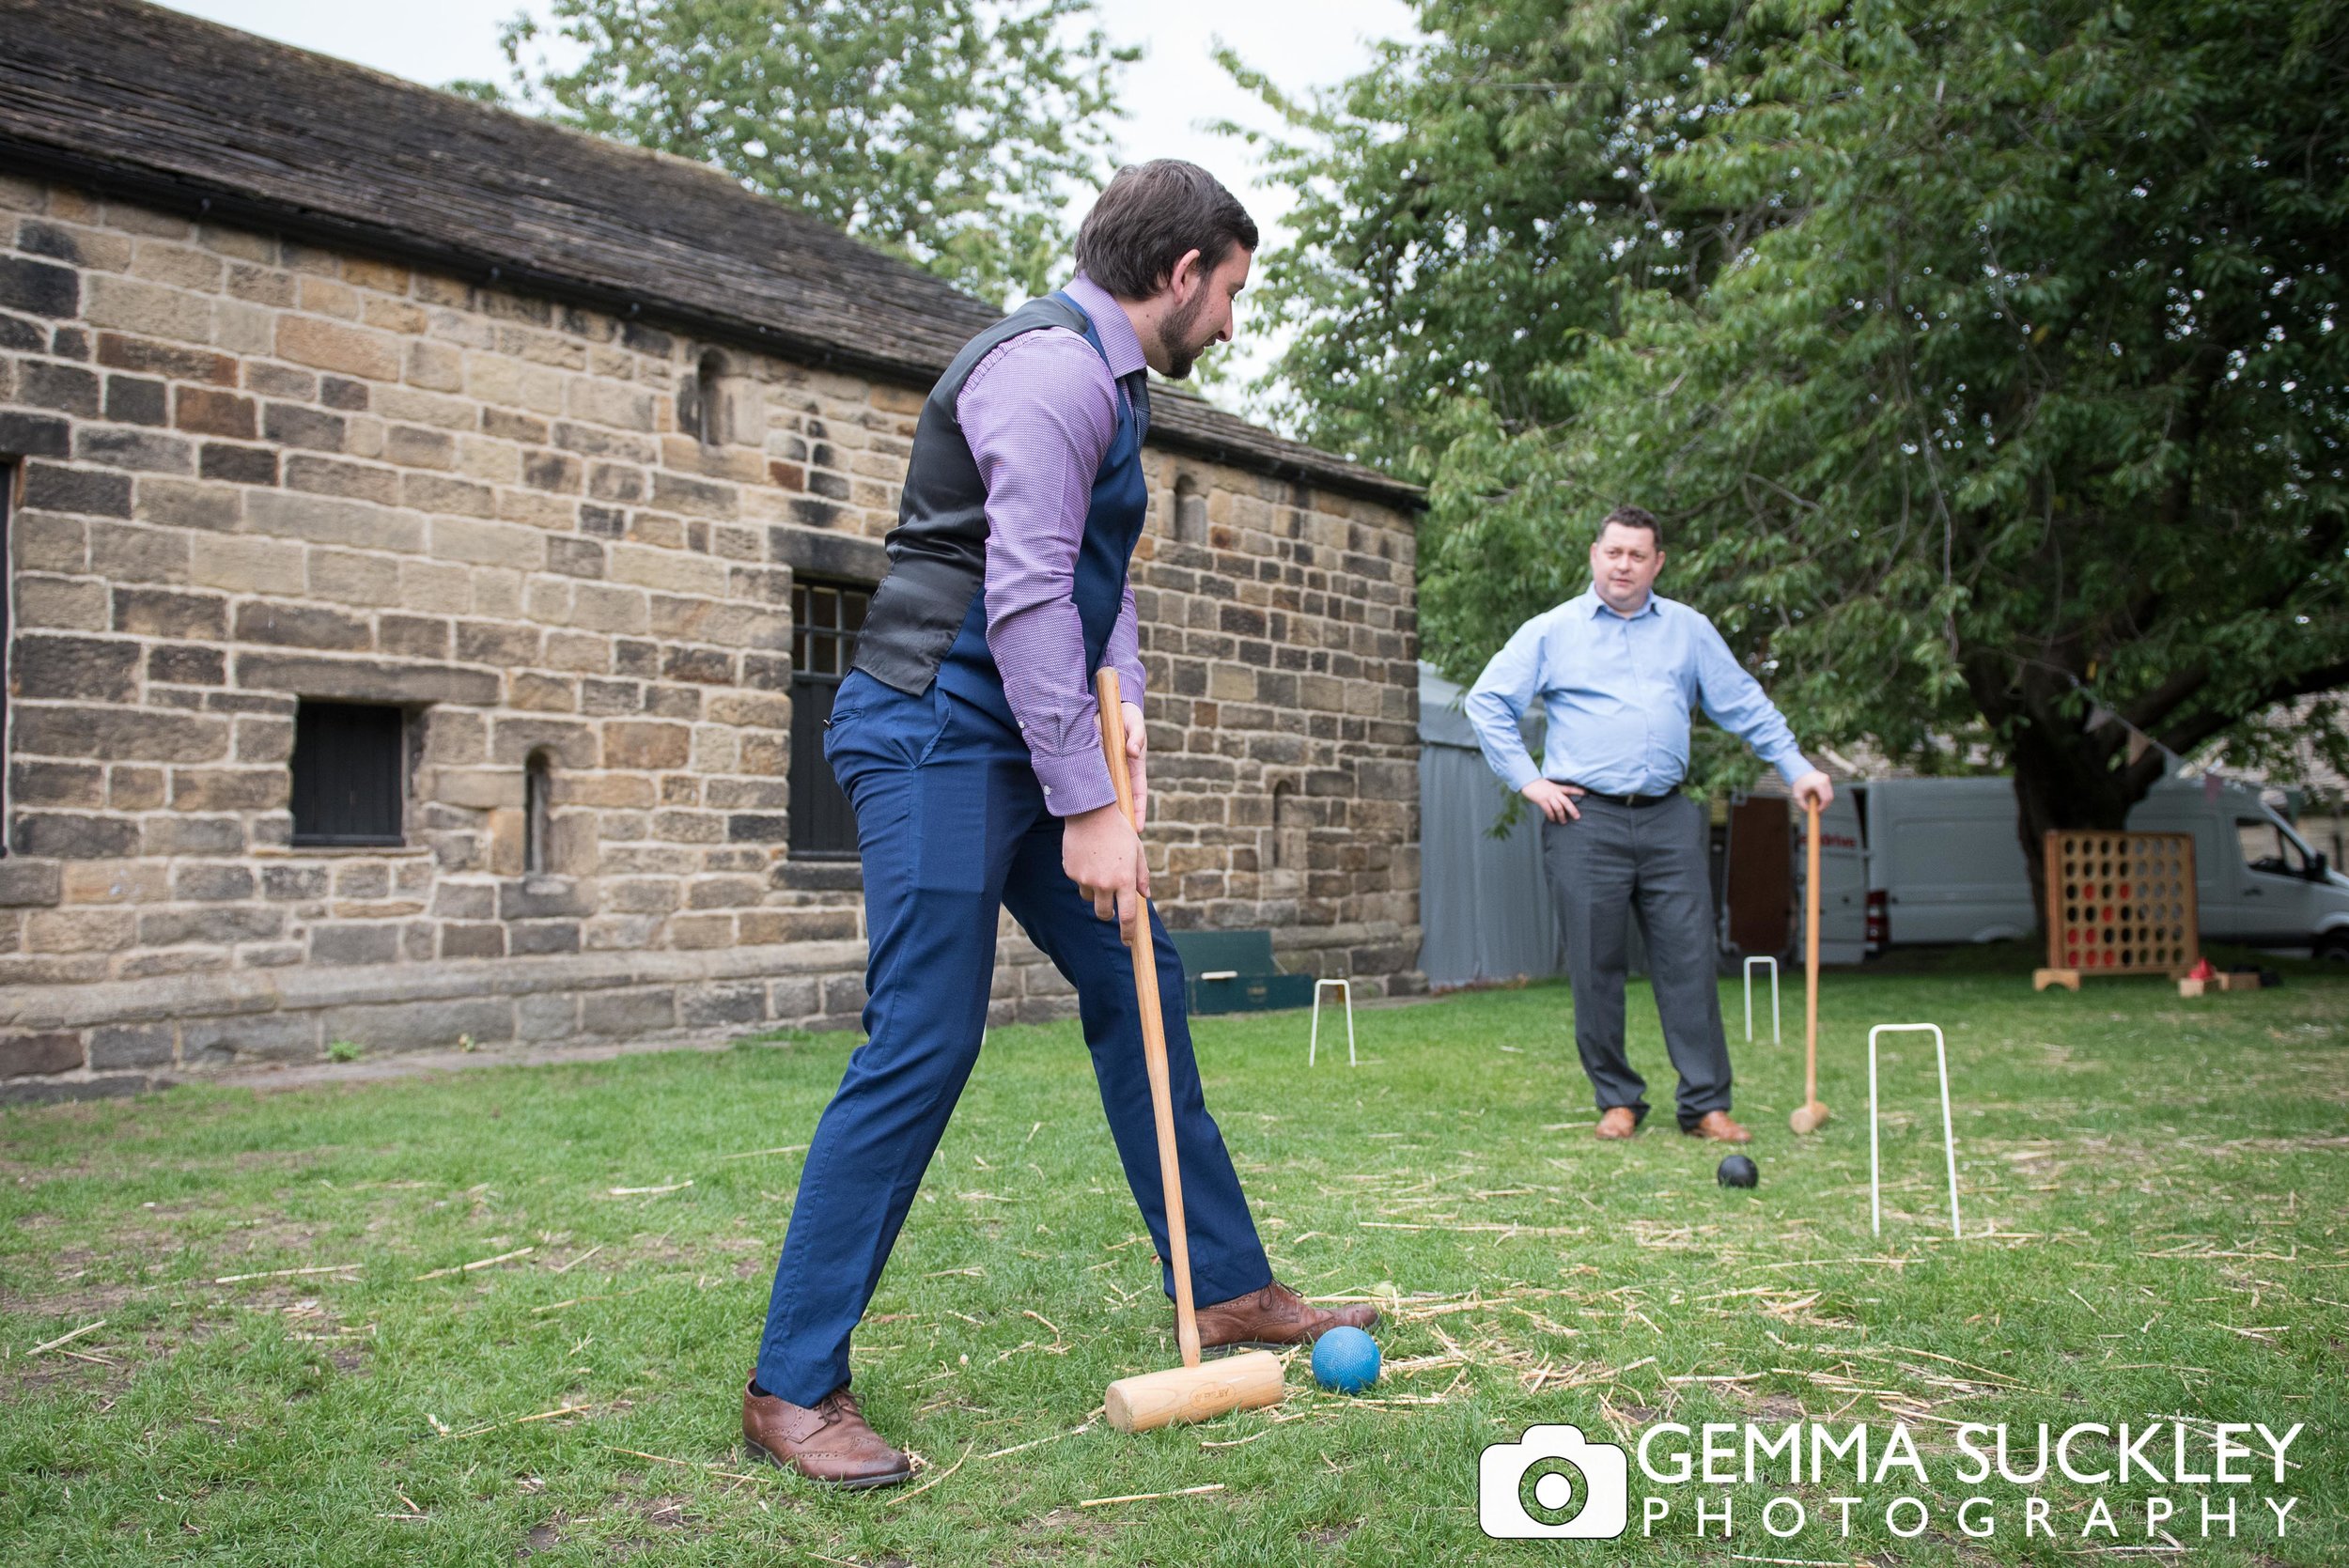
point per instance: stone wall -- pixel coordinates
(247, 472)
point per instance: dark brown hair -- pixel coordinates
(1635, 517)
(1149, 216)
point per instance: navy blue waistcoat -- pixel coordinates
(928, 617)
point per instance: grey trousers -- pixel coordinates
(1617, 864)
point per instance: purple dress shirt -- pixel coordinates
(1039, 412)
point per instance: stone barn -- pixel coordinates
(432, 539)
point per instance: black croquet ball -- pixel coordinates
(1737, 1170)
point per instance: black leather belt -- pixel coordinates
(1636, 802)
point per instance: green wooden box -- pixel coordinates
(1233, 971)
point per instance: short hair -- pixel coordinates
(1152, 213)
(1634, 517)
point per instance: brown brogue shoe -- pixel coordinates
(829, 1442)
(1618, 1121)
(1717, 1126)
(1274, 1318)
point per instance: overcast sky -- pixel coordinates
(1170, 94)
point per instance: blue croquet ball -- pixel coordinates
(1737, 1170)
(1345, 1360)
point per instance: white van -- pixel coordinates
(1945, 864)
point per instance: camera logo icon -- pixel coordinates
(1553, 1483)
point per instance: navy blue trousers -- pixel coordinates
(952, 826)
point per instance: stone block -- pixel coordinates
(717, 1006)
(253, 1037)
(646, 746)
(327, 520)
(542, 937)
(186, 666)
(35, 435)
(51, 488)
(56, 783)
(459, 939)
(498, 643)
(237, 465)
(326, 345)
(413, 636)
(193, 835)
(168, 613)
(293, 883)
(72, 669)
(22, 1055)
(350, 577)
(311, 429)
(63, 835)
(117, 1047)
(38, 287)
(421, 1025)
(173, 928)
(546, 1016)
(229, 789)
(29, 884)
(355, 942)
(246, 566)
(64, 388)
(119, 733)
(209, 411)
(146, 451)
(77, 930)
(176, 361)
(302, 626)
(622, 1014)
(339, 477)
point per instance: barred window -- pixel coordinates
(348, 774)
(825, 619)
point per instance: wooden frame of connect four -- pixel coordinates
(2121, 903)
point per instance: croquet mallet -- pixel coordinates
(1809, 1116)
(1190, 1392)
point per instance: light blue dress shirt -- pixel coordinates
(1617, 691)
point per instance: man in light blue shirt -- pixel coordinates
(1617, 670)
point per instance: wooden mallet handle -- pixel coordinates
(1138, 942)
(1811, 953)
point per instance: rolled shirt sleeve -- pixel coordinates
(1498, 699)
(1039, 412)
(1735, 700)
(1124, 653)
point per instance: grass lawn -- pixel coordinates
(2157, 1210)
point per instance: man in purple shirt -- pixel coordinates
(967, 740)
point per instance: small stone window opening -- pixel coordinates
(1190, 511)
(349, 775)
(701, 402)
(538, 815)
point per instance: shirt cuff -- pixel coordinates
(1075, 782)
(1521, 774)
(1793, 766)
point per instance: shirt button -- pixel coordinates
(1048, 789)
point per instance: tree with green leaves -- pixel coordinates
(948, 132)
(1986, 362)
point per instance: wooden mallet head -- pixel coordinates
(1247, 1381)
(1808, 1118)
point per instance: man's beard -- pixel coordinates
(1176, 331)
